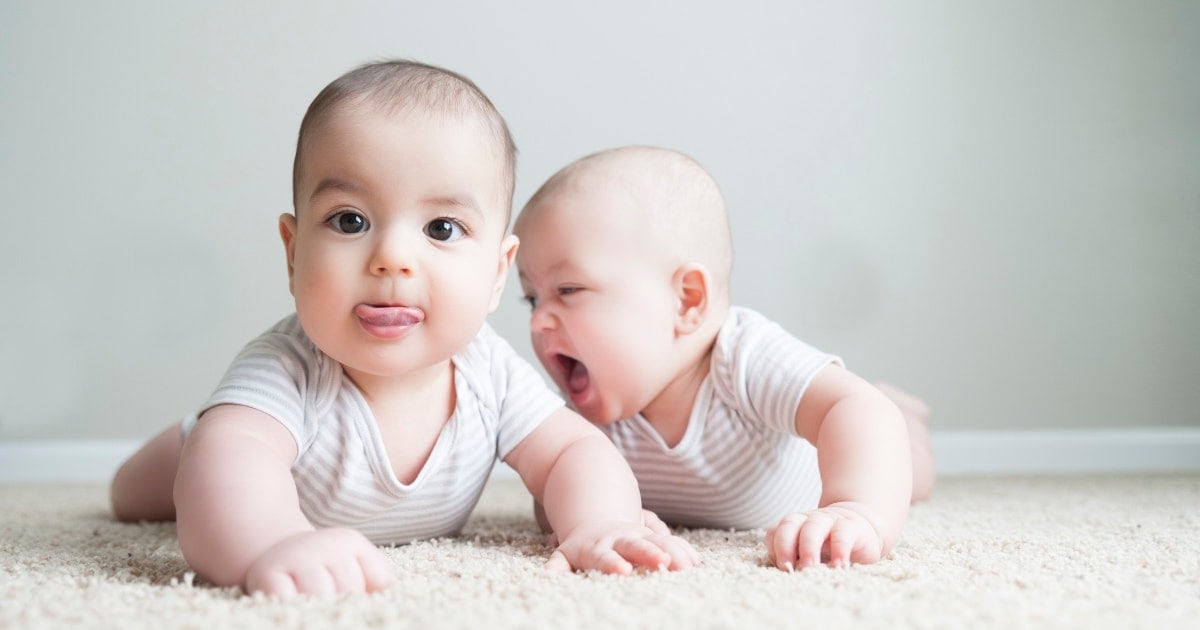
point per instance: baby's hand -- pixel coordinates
(838, 532)
(656, 525)
(619, 547)
(649, 519)
(322, 562)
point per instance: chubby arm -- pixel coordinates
(866, 475)
(239, 518)
(591, 500)
(234, 493)
(141, 489)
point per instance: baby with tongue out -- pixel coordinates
(727, 420)
(375, 412)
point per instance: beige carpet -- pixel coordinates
(1079, 552)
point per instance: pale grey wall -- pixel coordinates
(994, 204)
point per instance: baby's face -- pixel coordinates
(602, 321)
(397, 251)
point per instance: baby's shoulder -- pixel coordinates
(502, 380)
(749, 344)
(284, 353)
(286, 339)
(746, 329)
(481, 364)
(484, 348)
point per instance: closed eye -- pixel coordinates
(533, 301)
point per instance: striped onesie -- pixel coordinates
(740, 463)
(342, 472)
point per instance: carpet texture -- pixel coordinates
(986, 552)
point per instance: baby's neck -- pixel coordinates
(416, 389)
(410, 413)
(671, 410)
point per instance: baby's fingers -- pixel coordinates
(314, 579)
(376, 572)
(272, 583)
(655, 524)
(844, 538)
(781, 541)
(611, 562)
(869, 547)
(347, 576)
(640, 552)
(366, 570)
(853, 539)
(812, 538)
(683, 555)
(558, 563)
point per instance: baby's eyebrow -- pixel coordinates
(332, 183)
(461, 203)
(562, 266)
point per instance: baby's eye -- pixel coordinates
(348, 222)
(445, 230)
(531, 301)
(568, 290)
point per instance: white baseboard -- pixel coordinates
(63, 460)
(956, 453)
(1174, 449)
(83, 461)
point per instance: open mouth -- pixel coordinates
(575, 374)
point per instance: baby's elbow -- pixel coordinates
(118, 498)
(128, 504)
(209, 560)
(923, 481)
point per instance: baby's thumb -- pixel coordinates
(377, 573)
(558, 563)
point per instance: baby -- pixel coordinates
(726, 419)
(375, 413)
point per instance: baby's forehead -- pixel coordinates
(577, 206)
(618, 197)
(328, 136)
(365, 110)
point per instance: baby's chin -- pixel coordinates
(598, 417)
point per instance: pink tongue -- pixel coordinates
(388, 315)
(577, 380)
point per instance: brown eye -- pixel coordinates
(348, 222)
(444, 230)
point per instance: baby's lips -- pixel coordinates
(389, 315)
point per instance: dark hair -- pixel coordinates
(400, 85)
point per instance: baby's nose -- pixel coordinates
(542, 319)
(394, 254)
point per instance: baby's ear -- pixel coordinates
(287, 231)
(692, 285)
(508, 251)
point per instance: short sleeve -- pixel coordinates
(281, 374)
(524, 400)
(763, 370)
